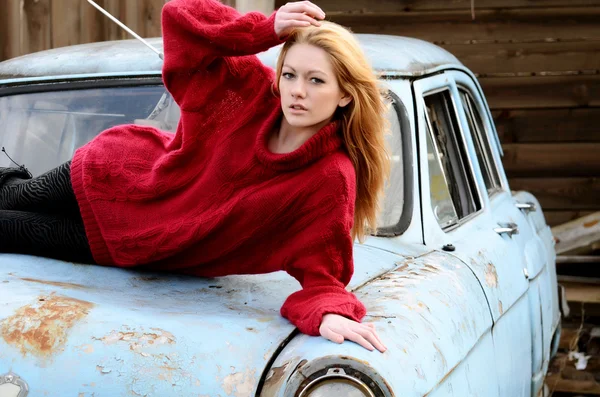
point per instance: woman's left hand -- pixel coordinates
(337, 328)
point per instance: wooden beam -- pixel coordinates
(491, 26)
(577, 236)
(562, 193)
(380, 6)
(490, 58)
(552, 159)
(558, 217)
(567, 91)
(589, 386)
(548, 125)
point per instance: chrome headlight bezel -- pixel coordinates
(357, 379)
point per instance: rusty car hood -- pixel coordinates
(114, 331)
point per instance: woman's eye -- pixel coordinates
(316, 80)
(287, 75)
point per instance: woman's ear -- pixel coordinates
(345, 100)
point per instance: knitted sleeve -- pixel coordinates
(206, 42)
(323, 263)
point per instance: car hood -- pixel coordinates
(67, 328)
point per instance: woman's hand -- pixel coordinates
(336, 328)
(296, 15)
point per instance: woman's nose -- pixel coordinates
(298, 89)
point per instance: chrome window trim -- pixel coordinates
(476, 103)
(474, 214)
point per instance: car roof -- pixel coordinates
(389, 54)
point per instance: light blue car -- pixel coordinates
(460, 281)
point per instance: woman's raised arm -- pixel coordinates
(199, 34)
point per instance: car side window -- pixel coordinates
(452, 185)
(393, 198)
(483, 149)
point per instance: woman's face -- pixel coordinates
(308, 86)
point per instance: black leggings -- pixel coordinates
(40, 216)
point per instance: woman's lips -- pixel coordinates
(297, 109)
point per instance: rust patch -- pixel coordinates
(41, 328)
(591, 223)
(274, 379)
(139, 341)
(54, 283)
(239, 383)
(500, 309)
(491, 277)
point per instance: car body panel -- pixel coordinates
(435, 319)
(116, 329)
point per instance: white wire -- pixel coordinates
(131, 32)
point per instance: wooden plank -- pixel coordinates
(111, 30)
(548, 125)
(9, 30)
(577, 237)
(582, 293)
(130, 14)
(562, 193)
(66, 23)
(358, 6)
(492, 26)
(542, 91)
(97, 27)
(35, 26)
(552, 159)
(555, 218)
(515, 58)
(149, 17)
(577, 259)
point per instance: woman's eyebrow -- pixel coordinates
(310, 71)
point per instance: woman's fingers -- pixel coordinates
(358, 338)
(300, 18)
(369, 334)
(305, 7)
(328, 333)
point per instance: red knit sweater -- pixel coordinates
(212, 199)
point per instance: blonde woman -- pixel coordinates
(268, 170)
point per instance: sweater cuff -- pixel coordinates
(306, 308)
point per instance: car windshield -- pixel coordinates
(42, 130)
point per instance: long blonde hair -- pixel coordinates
(363, 119)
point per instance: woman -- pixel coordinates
(266, 171)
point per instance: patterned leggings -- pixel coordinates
(40, 216)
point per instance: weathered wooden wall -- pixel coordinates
(538, 62)
(32, 25)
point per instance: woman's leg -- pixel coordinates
(52, 236)
(51, 192)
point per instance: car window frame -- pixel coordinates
(466, 80)
(407, 171)
(468, 149)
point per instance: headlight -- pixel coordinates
(335, 382)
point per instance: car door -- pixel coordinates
(458, 217)
(509, 211)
